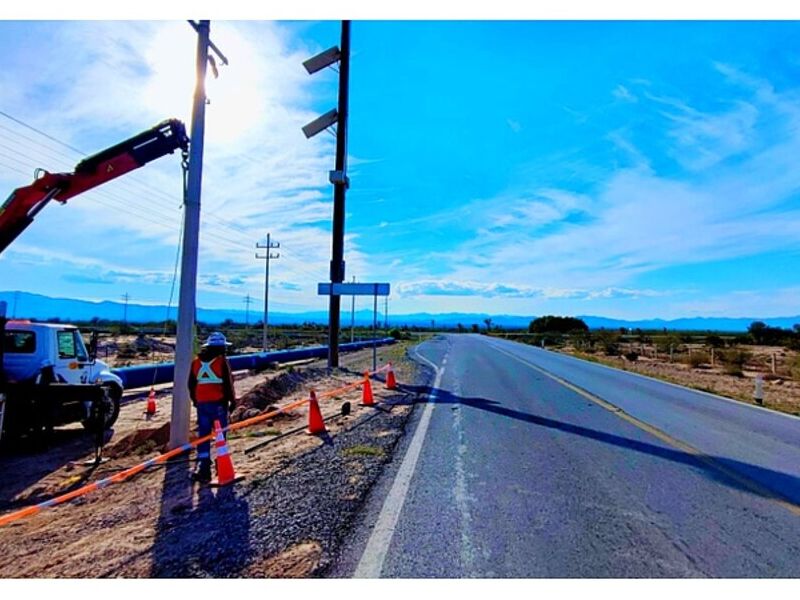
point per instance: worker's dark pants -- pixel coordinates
(207, 413)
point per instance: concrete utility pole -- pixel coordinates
(248, 301)
(184, 348)
(125, 297)
(339, 180)
(268, 256)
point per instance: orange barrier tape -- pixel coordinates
(130, 472)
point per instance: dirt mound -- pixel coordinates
(141, 442)
(144, 342)
(269, 395)
(274, 390)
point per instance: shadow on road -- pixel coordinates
(717, 468)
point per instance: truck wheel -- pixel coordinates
(112, 396)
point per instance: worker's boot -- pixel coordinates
(202, 473)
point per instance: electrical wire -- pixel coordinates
(221, 230)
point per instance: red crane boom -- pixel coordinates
(24, 203)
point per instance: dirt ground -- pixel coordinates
(121, 530)
(781, 391)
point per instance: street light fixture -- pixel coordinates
(322, 60)
(321, 123)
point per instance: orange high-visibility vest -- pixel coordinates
(210, 385)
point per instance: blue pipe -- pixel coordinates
(147, 375)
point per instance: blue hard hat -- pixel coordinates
(217, 339)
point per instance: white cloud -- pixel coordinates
(622, 93)
(449, 287)
(743, 303)
(260, 173)
(639, 219)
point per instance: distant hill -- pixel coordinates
(35, 306)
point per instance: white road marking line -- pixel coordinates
(371, 563)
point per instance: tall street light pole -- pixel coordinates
(339, 180)
(337, 177)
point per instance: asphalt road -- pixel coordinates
(527, 463)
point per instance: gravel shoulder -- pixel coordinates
(288, 517)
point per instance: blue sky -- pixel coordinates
(624, 169)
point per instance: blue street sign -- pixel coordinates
(353, 289)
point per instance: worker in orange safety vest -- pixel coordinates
(213, 395)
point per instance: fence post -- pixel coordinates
(758, 393)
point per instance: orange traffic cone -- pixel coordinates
(391, 382)
(366, 391)
(225, 472)
(151, 403)
(316, 424)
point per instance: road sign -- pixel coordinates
(353, 289)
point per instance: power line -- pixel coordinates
(219, 225)
(216, 230)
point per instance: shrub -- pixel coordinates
(735, 357)
(794, 368)
(733, 369)
(697, 359)
(632, 356)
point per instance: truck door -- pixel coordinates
(72, 361)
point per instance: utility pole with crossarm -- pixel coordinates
(184, 345)
(268, 256)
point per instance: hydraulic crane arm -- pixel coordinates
(24, 203)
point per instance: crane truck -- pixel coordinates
(47, 375)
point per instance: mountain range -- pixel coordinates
(38, 307)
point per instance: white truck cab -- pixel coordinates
(46, 353)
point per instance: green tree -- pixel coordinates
(553, 324)
(757, 331)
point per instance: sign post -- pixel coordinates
(360, 289)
